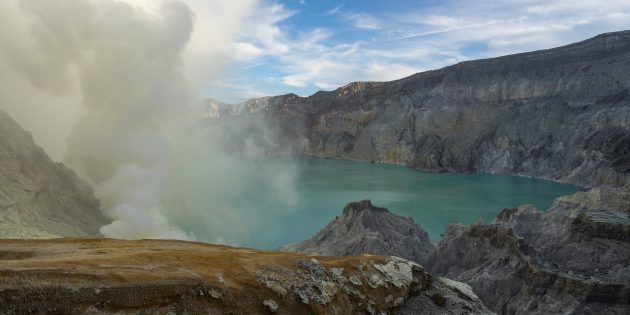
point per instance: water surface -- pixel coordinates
(432, 200)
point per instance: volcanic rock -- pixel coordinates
(364, 228)
(573, 259)
(40, 198)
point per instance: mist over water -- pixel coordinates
(325, 186)
(126, 115)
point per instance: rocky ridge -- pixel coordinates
(38, 197)
(573, 259)
(363, 228)
(105, 276)
(561, 114)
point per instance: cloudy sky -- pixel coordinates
(302, 46)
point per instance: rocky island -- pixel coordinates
(364, 228)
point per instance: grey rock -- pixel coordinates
(356, 281)
(271, 304)
(337, 271)
(40, 198)
(364, 228)
(561, 114)
(215, 294)
(276, 288)
(445, 297)
(573, 259)
(390, 278)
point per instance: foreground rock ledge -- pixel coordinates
(89, 276)
(572, 259)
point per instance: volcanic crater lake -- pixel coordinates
(325, 186)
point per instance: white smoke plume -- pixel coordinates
(112, 85)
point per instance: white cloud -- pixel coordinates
(243, 51)
(359, 20)
(402, 43)
(388, 71)
(331, 67)
(239, 90)
(509, 26)
(262, 30)
(335, 10)
(306, 58)
(326, 86)
(212, 43)
(364, 21)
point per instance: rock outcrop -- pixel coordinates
(105, 276)
(561, 114)
(38, 197)
(574, 259)
(364, 228)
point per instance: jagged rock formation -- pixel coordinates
(561, 114)
(105, 276)
(38, 197)
(574, 259)
(363, 228)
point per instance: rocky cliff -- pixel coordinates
(561, 114)
(573, 259)
(104, 276)
(363, 228)
(38, 197)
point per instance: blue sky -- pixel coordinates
(304, 46)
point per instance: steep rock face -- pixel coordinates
(364, 228)
(104, 276)
(38, 197)
(571, 260)
(562, 114)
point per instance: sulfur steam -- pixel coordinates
(107, 81)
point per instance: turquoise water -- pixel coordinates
(433, 200)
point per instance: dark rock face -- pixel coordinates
(363, 228)
(38, 197)
(574, 259)
(561, 114)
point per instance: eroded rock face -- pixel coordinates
(562, 114)
(38, 197)
(364, 228)
(574, 259)
(105, 276)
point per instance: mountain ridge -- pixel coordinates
(531, 114)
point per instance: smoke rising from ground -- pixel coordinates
(116, 74)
